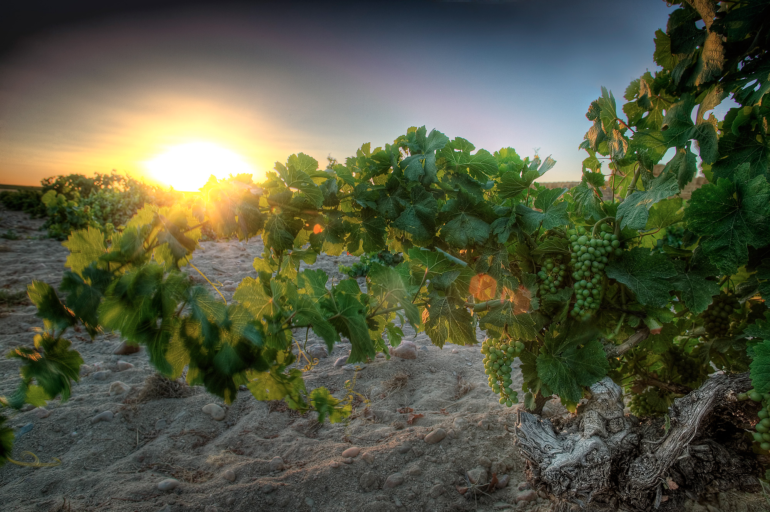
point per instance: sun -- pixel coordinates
(187, 167)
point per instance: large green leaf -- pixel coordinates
(6, 441)
(449, 322)
(568, 363)
(389, 286)
(695, 286)
(646, 274)
(760, 367)
(731, 216)
(634, 210)
(551, 214)
(85, 246)
(54, 314)
(419, 215)
(349, 320)
(51, 363)
(297, 175)
(665, 213)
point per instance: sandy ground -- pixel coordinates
(230, 464)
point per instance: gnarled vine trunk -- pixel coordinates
(605, 460)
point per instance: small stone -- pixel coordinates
(484, 461)
(394, 480)
(85, 370)
(502, 482)
(276, 464)
(124, 349)
(268, 488)
(230, 500)
(23, 430)
(477, 476)
(368, 457)
(118, 388)
(42, 412)
(523, 486)
(404, 448)
(102, 375)
(215, 411)
(102, 416)
(317, 351)
(368, 481)
(528, 496)
(309, 502)
(160, 424)
(436, 436)
(351, 452)
(436, 491)
(348, 460)
(335, 464)
(169, 484)
(123, 366)
(396, 501)
(460, 423)
(414, 471)
(27, 407)
(380, 355)
(407, 350)
(340, 362)
(353, 367)
(229, 475)
(455, 351)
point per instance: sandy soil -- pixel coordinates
(230, 464)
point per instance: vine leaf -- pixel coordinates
(665, 213)
(51, 363)
(448, 322)
(552, 214)
(328, 406)
(760, 367)
(55, 315)
(729, 217)
(85, 246)
(386, 281)
(298, 175)
(646, 274)
(696, 289)
(419, 215)
(569, 361)
(634, 211)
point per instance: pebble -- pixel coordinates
(335, 464)
(396, 501)
(23, 430)
(477, 476)
(404, 448)
(460, 423)
(436, 491)
(414, 471)
(394, 480)
(124, 349)
(348, 460)
(309, 502)
(317, 351)
(455, 351)
(230, 500)
(123, 366)
(523, 486)
(102, 375)
(160, 424)
(85, 370)
(368, 457)
(42, 412)
(268, 488)
(102, 416)
(502, 482)
(215, 411)
(351, 452)
(169, 484)
(436, 436)
(368, 481)
(118, 388)
(484, 461)
(529, 495)
(276, 464)
(340, 362)
(407, 350)
(353, 367)
(229, 475)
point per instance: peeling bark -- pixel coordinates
(603, 459)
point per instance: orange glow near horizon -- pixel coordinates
(187, 167)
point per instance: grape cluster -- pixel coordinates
(716, 318)
(688, 368)
(497, 365)
(589, 257)
(552, 276)
(645, 404)
(762, 428)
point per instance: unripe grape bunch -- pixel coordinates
(589, 256)
(552, 276)
(716, 318)
(498, 356)
(761, 432)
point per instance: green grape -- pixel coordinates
(716, 318)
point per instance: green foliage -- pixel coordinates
(27, 201)
(484, 247)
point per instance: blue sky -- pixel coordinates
(113, 91)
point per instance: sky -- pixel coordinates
(91, 88)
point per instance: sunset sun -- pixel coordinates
(188, 166)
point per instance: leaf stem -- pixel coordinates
(207, 279)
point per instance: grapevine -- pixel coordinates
(575, 283)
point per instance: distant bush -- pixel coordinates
(27, 201)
